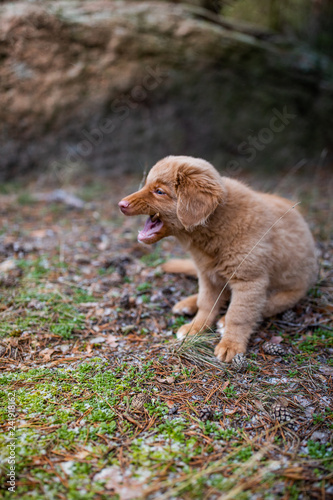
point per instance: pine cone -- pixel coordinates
(273, 349)
(281, 413)
(289, 316)
(139, 400)
(206, 413)
(239, 362)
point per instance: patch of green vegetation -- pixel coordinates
(315, 292)
(34, 270)
(167, 445)
(242, 455)
(144, 287)
(92, 191)
(145, 298)
(81, 295)
(41, 309)
(153, 259)
(102, 271)
(25, 198)
(50, 312)
(179, 321)
(230, 391)
(318, 339)
(318, 418)
(10, 187)
(293, 492)
(253, 368)
(318, 450)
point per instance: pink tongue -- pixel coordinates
(148, 225)
(149, 229)
(145, 232)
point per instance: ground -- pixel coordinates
(99, 401)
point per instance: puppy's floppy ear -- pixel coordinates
(199, 193)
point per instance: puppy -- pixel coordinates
(254, 246)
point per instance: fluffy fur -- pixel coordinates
(220, 221)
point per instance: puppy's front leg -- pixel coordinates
(245, 311)
(207, 308)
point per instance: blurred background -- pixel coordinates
(107, 87)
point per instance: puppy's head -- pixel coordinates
(180, 194)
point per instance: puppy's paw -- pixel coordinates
(187, 306)
(185, 330)
(227, 349)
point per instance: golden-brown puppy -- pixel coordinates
(234, 238)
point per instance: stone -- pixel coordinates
(80, 81)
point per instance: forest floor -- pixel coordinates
(98, 401)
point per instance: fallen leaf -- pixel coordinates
(82, 454)
(168, 380)
(64, 348)
(46, 354)
(98, 340)
(327, 370)
(112, 340)
(41, 233)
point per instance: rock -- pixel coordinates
(80, 81)
(60, 196)
(7, 265)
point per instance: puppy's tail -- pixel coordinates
(176, 266)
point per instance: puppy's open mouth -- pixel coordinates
(152, 226)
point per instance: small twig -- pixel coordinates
(132, 420)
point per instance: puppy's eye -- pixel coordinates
(159, 191)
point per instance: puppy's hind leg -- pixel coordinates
(280, 301)
(186, 306)
(180, 266)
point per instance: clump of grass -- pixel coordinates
(198, 349)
